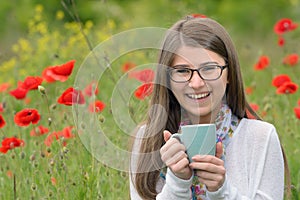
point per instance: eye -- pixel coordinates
(209, 68)
(182, 70)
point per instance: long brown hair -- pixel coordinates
(164, 112)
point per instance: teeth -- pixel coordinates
(198, 96)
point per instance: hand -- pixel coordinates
(219, 150)
(174, 156)
(210, 169)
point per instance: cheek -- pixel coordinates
(220, 88)
(177, 89)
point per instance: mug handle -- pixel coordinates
(177, 136)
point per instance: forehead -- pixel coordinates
(195, 56)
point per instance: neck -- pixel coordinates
(205, 119)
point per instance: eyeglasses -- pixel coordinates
(182, 74)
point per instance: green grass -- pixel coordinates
(73, 172)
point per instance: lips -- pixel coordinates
(199, 96)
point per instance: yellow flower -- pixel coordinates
(60, 15)
(89, 24)
(42, 28)
(8, 65)
(111, 24)
(39, 8)
(25, 45)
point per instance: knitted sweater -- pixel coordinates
(254, 167)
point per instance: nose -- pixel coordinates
(196, 81)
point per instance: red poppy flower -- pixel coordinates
(40, 130)
(9, 174)
(291, 59)
(31, 83)
(2, 106)
(27, 116)
(53, 181)
(287, 88)
(91, 89)
(249, 115)
(71, 96)
(2, 121)
(297, 112)
(4, 87)
(143, 91)
(281, 41)
(284, 25)
(145, 75)
(96, 106)
(196, 15)
(254, 106)
(49, 139)
(19, 93)
(249, 90)
(128, 66)
(65, 133)
(58, 73)
(262, 63)
(10, 143)
(280, 79)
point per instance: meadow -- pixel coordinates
(73, 88)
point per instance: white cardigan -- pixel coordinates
(254, 167)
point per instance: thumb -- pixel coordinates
(219, 150)
(167, 135)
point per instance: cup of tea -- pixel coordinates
(198, 139)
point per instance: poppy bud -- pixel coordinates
(33, 187)
(101, 118)
(22, 155)
(53, 106)
(42, 90)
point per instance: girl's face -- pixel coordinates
(200, 98)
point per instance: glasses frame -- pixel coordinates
(198, 71)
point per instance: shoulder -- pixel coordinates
(257, 127)
(257, 124)
(255, 138)
(256, 131)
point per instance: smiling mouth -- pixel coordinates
(198, 96)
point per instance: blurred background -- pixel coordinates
(245, 20)
(35, 34)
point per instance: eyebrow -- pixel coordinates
(201, 65)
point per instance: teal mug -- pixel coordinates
(198, 139)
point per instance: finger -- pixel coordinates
(170, 149)
(208, 159)
(167, 135)
(208, 167)
(211, 186)
(219, 150)
(209, 176)
(176, 158)
(169, 144)
(180, 166)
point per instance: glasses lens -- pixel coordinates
(180, 74)
(210, 72)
